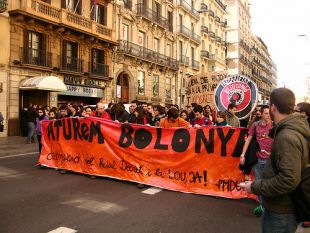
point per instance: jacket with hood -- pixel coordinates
(289, 154)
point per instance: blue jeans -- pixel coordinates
(278, 223)
(31, 131)
(258, 172)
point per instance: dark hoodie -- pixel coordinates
(290, 155)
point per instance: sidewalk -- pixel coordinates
(16, 145)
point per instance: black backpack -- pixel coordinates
(301, 195)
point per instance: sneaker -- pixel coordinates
(305, 224)
(258, 211)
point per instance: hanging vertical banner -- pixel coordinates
(239, 90)
(141, 38)
(191, 160)
(200, 88)
(124, 32)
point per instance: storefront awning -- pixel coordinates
(48, 83)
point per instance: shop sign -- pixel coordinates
(83, 91)
(82, 81)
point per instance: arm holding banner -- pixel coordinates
(245, 147)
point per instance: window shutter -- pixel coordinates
(26, 46)
(93, 10)
(103, 15)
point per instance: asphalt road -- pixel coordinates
(36, 200)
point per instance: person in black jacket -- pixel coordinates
(31, 123)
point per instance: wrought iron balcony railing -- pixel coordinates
(151, 15)
(204, 7)
(30, 56)
(190, 34)
(219, 2)
(195, 65)
(189, 8)
(3, 5)
(128, 4)
(204, 29)
(211, 13)
(205, 54)
(98, 69)
(218, 39)
(71, 64)
(217, 19)
(211, 34)
(184, 60)
(135, 50)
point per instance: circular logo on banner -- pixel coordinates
(237, 89)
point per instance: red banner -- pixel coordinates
(196, 160)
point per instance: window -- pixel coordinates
(157, 10)
(168, 50)
(98, 62)
(74, 6)
(168, 88)
(181, 48)
(170, 21)
(70, 56)
(181, 20)
(99, 13)
(156, 45)
(34, 52)
(141, 83)
(155, 85)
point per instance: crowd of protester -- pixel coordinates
(142, 113)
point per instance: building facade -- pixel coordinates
(4, 64)
(262, 69)
(60, 52)
(238, 37)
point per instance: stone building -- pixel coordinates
(60, 52)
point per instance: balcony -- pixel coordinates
(217, 19)
(203, 8)
(204, 29)
(219, 2)
(98, 69)
(36, 57)
(190, 9)
(140, 52)
(215, 58)
(3, 6)
(184, 60)
(62, 17)
(128, 4)
(211, 34)
(195, 65)
(218, 39)
(205, 54)
(151, 15)
(71, 64)
(211, 13)
(189, 34)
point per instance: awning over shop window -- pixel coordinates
(48, 83)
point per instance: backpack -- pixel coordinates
(301, 195)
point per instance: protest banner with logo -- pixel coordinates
(191, 160)
(237, 89)
(200, 88)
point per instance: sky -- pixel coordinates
(278, 23)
